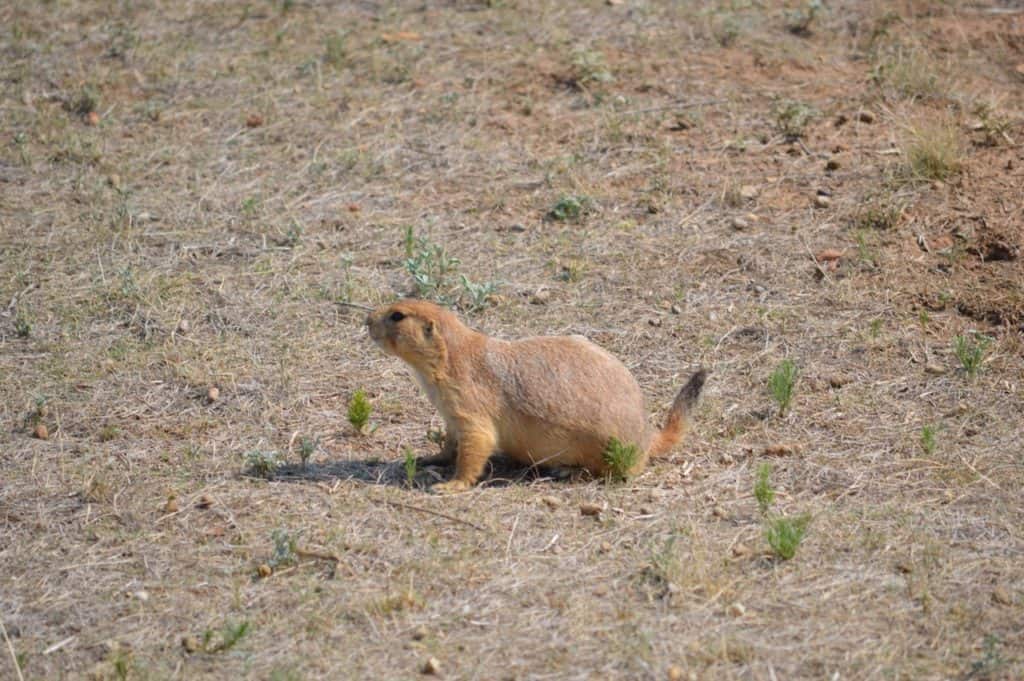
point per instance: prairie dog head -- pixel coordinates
(412, 330)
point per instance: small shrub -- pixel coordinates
(934, 152)
(620, 459)
(782, 384)
(307, 448)
(589, 69)
(971, 352)
(763, 490)
(479, 293)
(784, 534)
(84, 102)
(22, 325)
(570, 208)
(799, 20)
(909, 73)
(410, 466)
(879, 212)
(928, 439)
(995, 129)
(359, 409)
(792, 118)
(285, 545)
(262, 464)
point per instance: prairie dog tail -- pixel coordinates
(678, 420)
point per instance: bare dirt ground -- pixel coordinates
(189, 191)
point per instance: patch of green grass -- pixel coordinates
(433, 271)
(971, 352)
(228, 637)
(22, 325)
(928, 438)
(108, 432)
(262, 464)
(359, 409)
(934, 152)
(763, 490)
(782, 384)
(479, 294)
(620, 459)
(785, 534)
(409, 463)
(570, 208)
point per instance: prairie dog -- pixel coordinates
(552, 400)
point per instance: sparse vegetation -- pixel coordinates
(227, 638)
(785, 534)
(307, 448)
(433, 271)
(262, 464)
(971, 352)
(928, 439)
(782, 384)
(359, 409)
(763, 490)
(409, 464)
(620, 458)
(792, 118)
(285, 544)
(934, 152)
(589, 69)
(909, 73)
(570, 208)
(799, 20)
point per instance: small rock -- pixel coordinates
(739, 224)
(551, 502)
(832, 164)
(184, 326)
(190, 644)
(432, 666)
(828, 254)
(720, 512)
(172, 504)
(726, 458)
(142, 596)
(353, 208)
(253, 121)
(264, 570)
(213, 394)
(204, 502)
(655, 321)
(751, 217)
(865, 116)
(541, 297)
(959, 410)
(749, 192)
(605, 547)
(837, 381)
(904, 566)
(517, 227)
(92, 118)
(40, 432)
(420, 633)
(822, 201)
(675, 309)
(937, 185)
(737, 610)
(675, 673)
(587, 508)
(934, 368)
(1001, 596)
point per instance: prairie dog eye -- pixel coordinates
(396, 316)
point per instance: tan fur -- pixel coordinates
(550, 400)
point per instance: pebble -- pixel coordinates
(264, 570)
(749, 192)
(172, 504)
(190, 644)
(822, 201)
(40, 432)
(737, 610)
(541, 297)
(213, 394)
(933, 368)
(420, 633)
(865, 117)
(739, 224)
(675, 309)
(1001, 596)
(184, 326)
(832, 164)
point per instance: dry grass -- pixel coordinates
(188, 191)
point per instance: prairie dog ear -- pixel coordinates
(428, 328)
